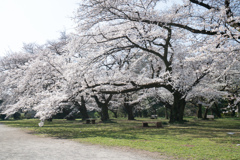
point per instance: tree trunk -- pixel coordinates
(233, 113)
(206, 112)
(166, 113)
(238, 107)
(217, 112)
(82, 108)
(114, 111)
(104, 112)
(3, 116)
(103, 106)
(129, 109)
(115, 114)
(177, 109)
(199, 112)
(140, 113)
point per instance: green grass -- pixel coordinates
(195, 139)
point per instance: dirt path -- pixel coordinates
(15, 144)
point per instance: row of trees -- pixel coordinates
(124, 52)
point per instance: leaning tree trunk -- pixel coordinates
(217, 111)
(199, 112)
(177, 109)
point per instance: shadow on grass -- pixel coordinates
(215, 130)
(108, 121)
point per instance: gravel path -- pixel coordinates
(16, 144)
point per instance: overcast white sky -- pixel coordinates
(25, 21)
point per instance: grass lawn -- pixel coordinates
(195, 139)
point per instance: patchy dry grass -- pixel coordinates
(195, 139)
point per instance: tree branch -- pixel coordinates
(202, 4)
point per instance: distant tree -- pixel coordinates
(59, 46)
(32, 48)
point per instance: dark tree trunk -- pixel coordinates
(103, 106)
(105, 115)
(82, 108)
(3, 116)
(206, 112)
(232, 106)
(140, 113)
(166, 113)
(167, 107)
(17, 116)
(114, 113)
(177, 109)
(217, 112)
(129, 108)
(199, 112)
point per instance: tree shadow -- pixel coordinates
(133, 130)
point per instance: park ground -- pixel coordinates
(195, 139)
(17, 144)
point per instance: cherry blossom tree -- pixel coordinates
(37, 82)
(135, 45)
(12, 69)
(121, 46)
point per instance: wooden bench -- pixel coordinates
(88, 121)
(210, 117)
(153, 117)
(158, 124)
